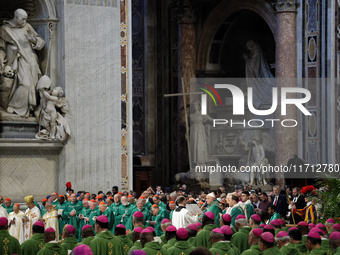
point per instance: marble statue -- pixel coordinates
(258, 74)
(198, 135)
(260, 143)
(6, 85)
(55, 125)
(18, 42)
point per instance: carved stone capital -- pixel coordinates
(286, 5)
(186, 10)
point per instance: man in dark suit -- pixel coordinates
(297, 202)
(280, 201)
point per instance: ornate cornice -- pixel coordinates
(286, 5)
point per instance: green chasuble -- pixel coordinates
(180, 247)
(254, 250)
(272, 251)
(69, 243)
(109, 214)
(162, 214)
(86, 240)
(73, 220)
(93, 213)
(52, 248)
(302, 248)
(240, 239)
(136, 246)
(289, 249)
(85, 212)
(215, 208)
(8, 243)
(337, 251)
(123, 209)
(43, 211)
(33, 245)
(9, 209)
(249, 210)
(106, 243)
(129, 222)
(61, 220)
(163, 239)
(154, 248)
(275, 216)
(171, 213)
(203, 237)
(318, 251)
(55, 202)
(170, 243)
(325, 246)
(162, 205)
(237, 210)
(304, 238)
(115, 208)
(221, 248)
(148, 205)
(126, 242)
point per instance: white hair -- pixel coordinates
(211, 195)
(284, 239)
(242, 221)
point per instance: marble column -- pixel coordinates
(286, 138)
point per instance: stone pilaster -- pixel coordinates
(286, 138)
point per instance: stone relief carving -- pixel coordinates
(286, 5)
(55, 125)
(18, 42)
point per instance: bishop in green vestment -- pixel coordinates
(104, 210)
(141, 208)
(267, 245)
(71, 213)
(151, 247)
(7, 242)
(93, 214)
(123, 210)
(314, 244)
(120, 232)
(203, 237)
(235, 211)
(34, 244)
(135, 237)
(283, 242)
(87, 234)
(218, 243)
(254, 238)
(105, 242)
(51, 247)
(69, 240)
(182, 246)
(240, 238)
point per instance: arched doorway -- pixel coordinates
(229, 26)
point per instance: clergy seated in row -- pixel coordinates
(120, 232)
(34, 244)
(137, 221)
(140, 208)
(69, 240)
(314, 244)
(192, 231)
(82, 249)
(87, 234)
(150, 246)
(51, 245)
(240, 238)
(170, 236)
(203, 237)
(219, 243)
(15, 223)
(324, 240)
(8, 243)
(105, 242)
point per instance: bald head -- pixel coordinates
(20, 17)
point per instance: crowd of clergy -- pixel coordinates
(247, 222)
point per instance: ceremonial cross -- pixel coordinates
(185, 114)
